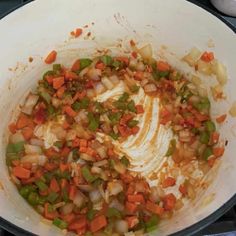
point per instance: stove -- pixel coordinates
(225, 225)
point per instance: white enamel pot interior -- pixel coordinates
(41, 26)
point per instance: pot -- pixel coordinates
(40, 26)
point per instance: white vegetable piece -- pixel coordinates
(30, 102)
(192, 57)
(107, 83)
(146, 52)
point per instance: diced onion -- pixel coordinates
(96, 170)
(85, 187)
(102, 152)
(221, 73)
(114, 187)
(107, 83)
(71, 135)
(114, 79)
(146, 52)
(84, 71)
(119, 167)
(192, 57)
(232, 110)
(99, 88)
(17, 137)
(36, 142)
(86, 157)
(31, 149)
(94, 74)
(100, 163)
(81, 116)
(67, 208)
(117, 205)
(156, 193)
(95, 196)
(78, 199)
(31, 101)
(90, 93)
(140, 66)
(144, 82)
(204, 67)
(121, 226)
(150, 88)
(196, 80)
(34, 159)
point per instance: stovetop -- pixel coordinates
(224, 226)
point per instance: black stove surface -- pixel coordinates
(225, 225)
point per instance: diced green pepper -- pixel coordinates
(107, 60)
(52, 197)
(93, 122)
(46, 96)
(117, 64)
(42, 200)
(114, 135)
(84, 103)
(48, 73)
(90, 214)
(114, 117)
(56, 67)
(210, 126)
(75, 154)
(26, 190)
(76, 106)
(65, 195)
(204, 104)
(124, 97)
(41, 185)
(50, 110)
(171, 148)
(11, 157)
(151, 224)
(125, 161)
(99, 107)
(204, 137)
(58, 144)
(131, 106)
(33, 198)
(15, 147)
(207, 153)
(87, 174)
(111, 163)
(132, 123)
(120, 105)
(195, 130)
(85, 62)
(113, 212)
(134, 88)
(60, 223)
(97, 182)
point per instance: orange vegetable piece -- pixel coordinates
(69, 75)
(163, 66)
(27, 132)
(27, 165)
(100, 66)
(77, 32)
(51, 57)
(54, 186)
(132, 221)
(76, 66)
(139, 109)
(131, 207)
(63, 167)
(221, 119)
(58, 82)
(183, 189)
(69, 111)
(20, 172)
(215, 137)
(169, 201)
(12, 127)
(50, 166)
(22, 121)
(72, 192)
(136, 198)
(68, 217)
(76, 142)
(61, 91)
(154, 208)
(207, 56)
(135, 130)
(218, 151)
(138, 75)
(49, 215)
(98, 223)
(83, 143)
(127, 178)
(168, 182)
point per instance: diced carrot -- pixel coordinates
(69, 75)
(65, 125)
(78, 223)
(123, 131)
(51, 57)
(76, 142)
(207, 56)
(125, 118)
(69, 111)
(27, 132)
(132, 43)
(211, 161)
(15, 162)
(76, 180)
(110, 152)
(154, 208)
(221, 119)
(12, 127)
(215, 137)
(49, 79)
(27, 165)
(64, 183)
(131, 207)
(76, 66)
(100, 66)
(169, 201)
(79, 95)
(98, 223)
(130, 190)
(132, 221)
(127, 178)
(83, 143)
(20, 172)
(138, 75)
(91, 152)
(61, 91)
(136, 198)
(139, 109)
(78, 32)
(63, 167)
(51, 152)
(168, 182)
(81, 231)
(163, 66)
(38, 174)
(54, 186)
(68, 217)
(28, 181)
(134, 54)
(72, 192)
(43, 193)
(123, 59)
(50, 166)
(49, 215)
(58, 82)
(135, 130)
(65, 151)
(201, 117)
(22, 121)
(83, 149)
(183, 189)
(218, 151)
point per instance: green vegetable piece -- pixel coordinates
(204, 137)
(52, 197)
(132, 123)
(48, 176)
(210, 126)
(113, 212)
(15, 147)
(195, 131)
(11, 157)
(56, 67)
(134, 88)
(131, 106)
(151, 224)
(164, 74)
(111, 163)
(114, 135)
(26, 190)
(117, 64)
(97, 182)
(90, 214)
(42, 200)
(107, 60)
(48, 73)
(93, 122)
(207, 153)
(99, 107)
(76, 106)
(87, 174)
(114, 117)
(65, 195)
(171, 148)
(58, 144)
(50, 110)
(84, 103)
(124, 97)
(60, 223)
(41, 185)
(33, 199)
(84, 62)
(46, 97)
(125, 161)
(204, 104)
(120, 105)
